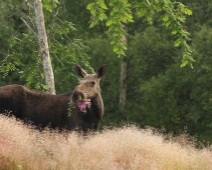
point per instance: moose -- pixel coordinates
(81, 109)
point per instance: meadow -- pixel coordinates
(125, 148)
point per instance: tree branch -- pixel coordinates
(29, 27)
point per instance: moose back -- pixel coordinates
(81, 109)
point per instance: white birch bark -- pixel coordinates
(44, 49)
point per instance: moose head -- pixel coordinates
(88, 88)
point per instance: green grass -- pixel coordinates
(126, 148)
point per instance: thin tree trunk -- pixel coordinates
(123, 76)
(43, 43)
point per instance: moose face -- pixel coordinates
(88, 87)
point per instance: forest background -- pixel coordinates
(159, 93)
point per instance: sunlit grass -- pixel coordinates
(126, 148)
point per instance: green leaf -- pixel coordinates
(177, 42)
(165, 17)
(174, 32)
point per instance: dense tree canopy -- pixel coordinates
(160, 93)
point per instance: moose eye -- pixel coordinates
(92, 83)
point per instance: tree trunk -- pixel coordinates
(123, 76)
(43, 43)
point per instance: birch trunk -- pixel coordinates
(123, 76)
(43, 43)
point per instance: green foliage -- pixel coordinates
(181, 98)
(8, 67)
(23, 55)
(173, 18)
(97, 9)
(48, 5)
(70, 108)
(120, 14)
(25, 52)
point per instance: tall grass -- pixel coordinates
(126, 148)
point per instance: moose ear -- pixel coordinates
(80, 72)
(101, 71)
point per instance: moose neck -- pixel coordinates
(97, 106)
(98, 101)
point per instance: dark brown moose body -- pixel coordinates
(81, 109)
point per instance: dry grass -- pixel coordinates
(127, 148)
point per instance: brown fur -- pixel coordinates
(44, 109)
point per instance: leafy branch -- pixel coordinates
(118, 13)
